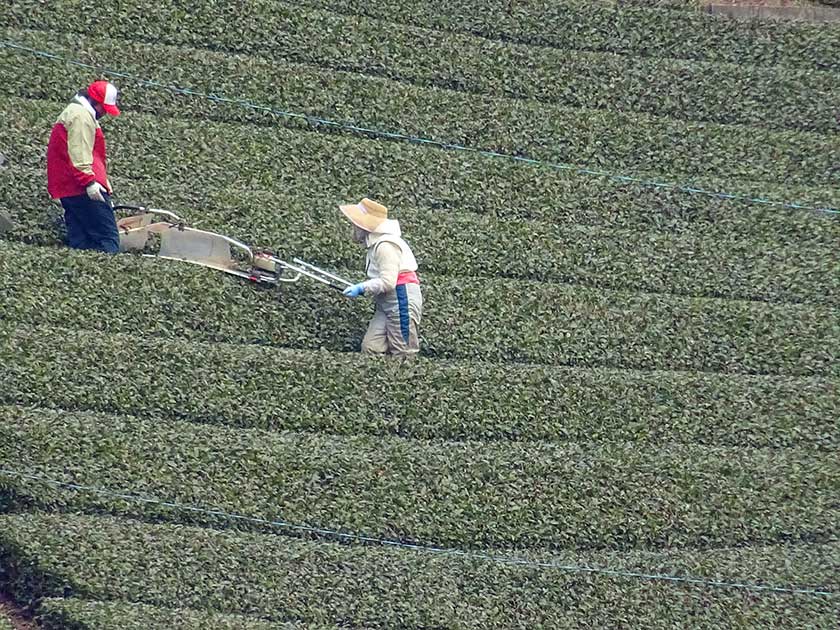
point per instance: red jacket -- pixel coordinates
(76, 152)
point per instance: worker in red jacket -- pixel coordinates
(76, 169)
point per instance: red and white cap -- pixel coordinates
(105, 93)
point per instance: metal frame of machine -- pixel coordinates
(162, 234)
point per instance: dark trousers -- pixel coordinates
(91, 224)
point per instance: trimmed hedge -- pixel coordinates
(465, 245)
(276, 158)
(281, 580)
(661, 4)
(465, 319)
(253, 429)
(341, 168)
(287, 30)
(485, 115)
(625, 143)
(78, 614)
(617, 28)
(248, 386)
(776, 240)
(467, 495)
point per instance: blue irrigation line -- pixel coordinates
(449, 551)
(314, 120)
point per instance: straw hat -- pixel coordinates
(367, 214)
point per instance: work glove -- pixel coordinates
(95, 190)
(354, 291)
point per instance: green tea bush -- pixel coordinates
(486, 104)
(613, 375)
(404, 175)
(467, 245)
(78, 614)
(644, 146)
(282, 580)
(471, 494)
(285, 29)
(336, 393)
(470, 319)
(617, 28)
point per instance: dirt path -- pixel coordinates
(13, 613)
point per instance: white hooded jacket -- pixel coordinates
(388, 256)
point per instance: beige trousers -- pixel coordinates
(396, 320)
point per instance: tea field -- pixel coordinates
(625, 410)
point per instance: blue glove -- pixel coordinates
(355, 291)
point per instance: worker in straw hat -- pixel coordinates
(76, 169)
(392, 281)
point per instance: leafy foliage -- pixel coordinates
(260, 158)
(259, 387)
(283, 28)
(693, 264)
(478, 320)
(282, 579)
(645, 145)
(460, 89)
(614, 374)
(77, 614)
(473, 495)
